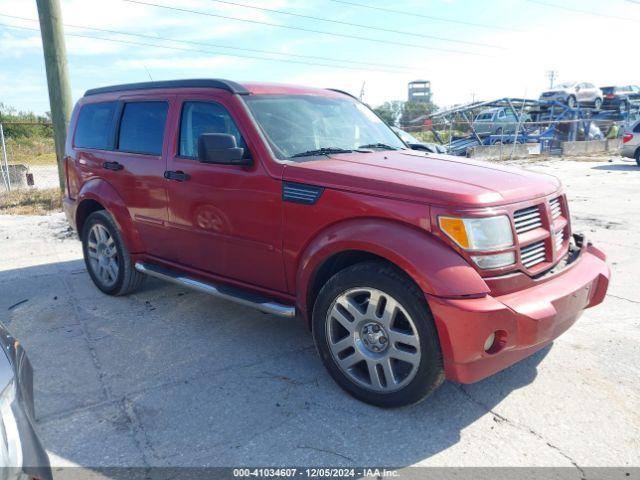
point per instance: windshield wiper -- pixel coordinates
(382, 146)
(321, 151)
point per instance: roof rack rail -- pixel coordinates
(228, 85)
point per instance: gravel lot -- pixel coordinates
(169, 377)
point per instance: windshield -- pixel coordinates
(566, 85)
(295, 124)
(405, 136)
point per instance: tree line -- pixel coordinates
(19, 124)
(399, 113)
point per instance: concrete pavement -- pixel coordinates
(169, 377)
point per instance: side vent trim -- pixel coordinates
(301, 193)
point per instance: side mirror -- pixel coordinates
(220, 148)
(577, 88)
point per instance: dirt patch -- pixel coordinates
(31, 202)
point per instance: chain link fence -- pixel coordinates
(23, 157)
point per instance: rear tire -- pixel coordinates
(376, 336)
(106, 256)
(597, 103)
(572, 102)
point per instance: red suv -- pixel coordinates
(408, 267)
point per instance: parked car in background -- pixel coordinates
(575, 93)
(21, 453)
(620, 98)
(496, 121)
(416, 144)
(631, 142)
(302, 202)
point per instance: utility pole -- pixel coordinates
(362, 91)
(551, 75)
(55, 59)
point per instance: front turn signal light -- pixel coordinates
(455, 229)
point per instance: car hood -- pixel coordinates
(423, 177)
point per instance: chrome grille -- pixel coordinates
(558, 239)
(527, 219)
(533, 254)
(556, 208)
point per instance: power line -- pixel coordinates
(359, 25)
(167, 47)
(430, 17)
(155, 37)
(586, 12)
(343, 35)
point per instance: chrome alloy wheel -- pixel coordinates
(373, 339)
(103, 255)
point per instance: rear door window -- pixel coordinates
(205, 117)
(142, 127)
(95, 124)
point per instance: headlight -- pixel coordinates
(489, 233)
(10, 446)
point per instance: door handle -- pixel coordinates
(178, 176)
(115, 166)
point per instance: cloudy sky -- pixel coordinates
(468, 49)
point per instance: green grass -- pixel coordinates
(30, 202)
(33, 151)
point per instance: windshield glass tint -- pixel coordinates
(294, 124)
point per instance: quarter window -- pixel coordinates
(142, 127)
(94, 128)
(205, 117)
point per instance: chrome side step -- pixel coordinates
(237, 295)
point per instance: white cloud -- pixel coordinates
(580, 47)
(14, 46)
(178, 63)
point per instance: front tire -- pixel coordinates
(572, 102)
(638, 156)
(376, 336)
(597, 103)
(106, 256)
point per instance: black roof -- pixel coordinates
(228, 85)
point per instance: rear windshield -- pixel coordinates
(94, 126)
(609, 89)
